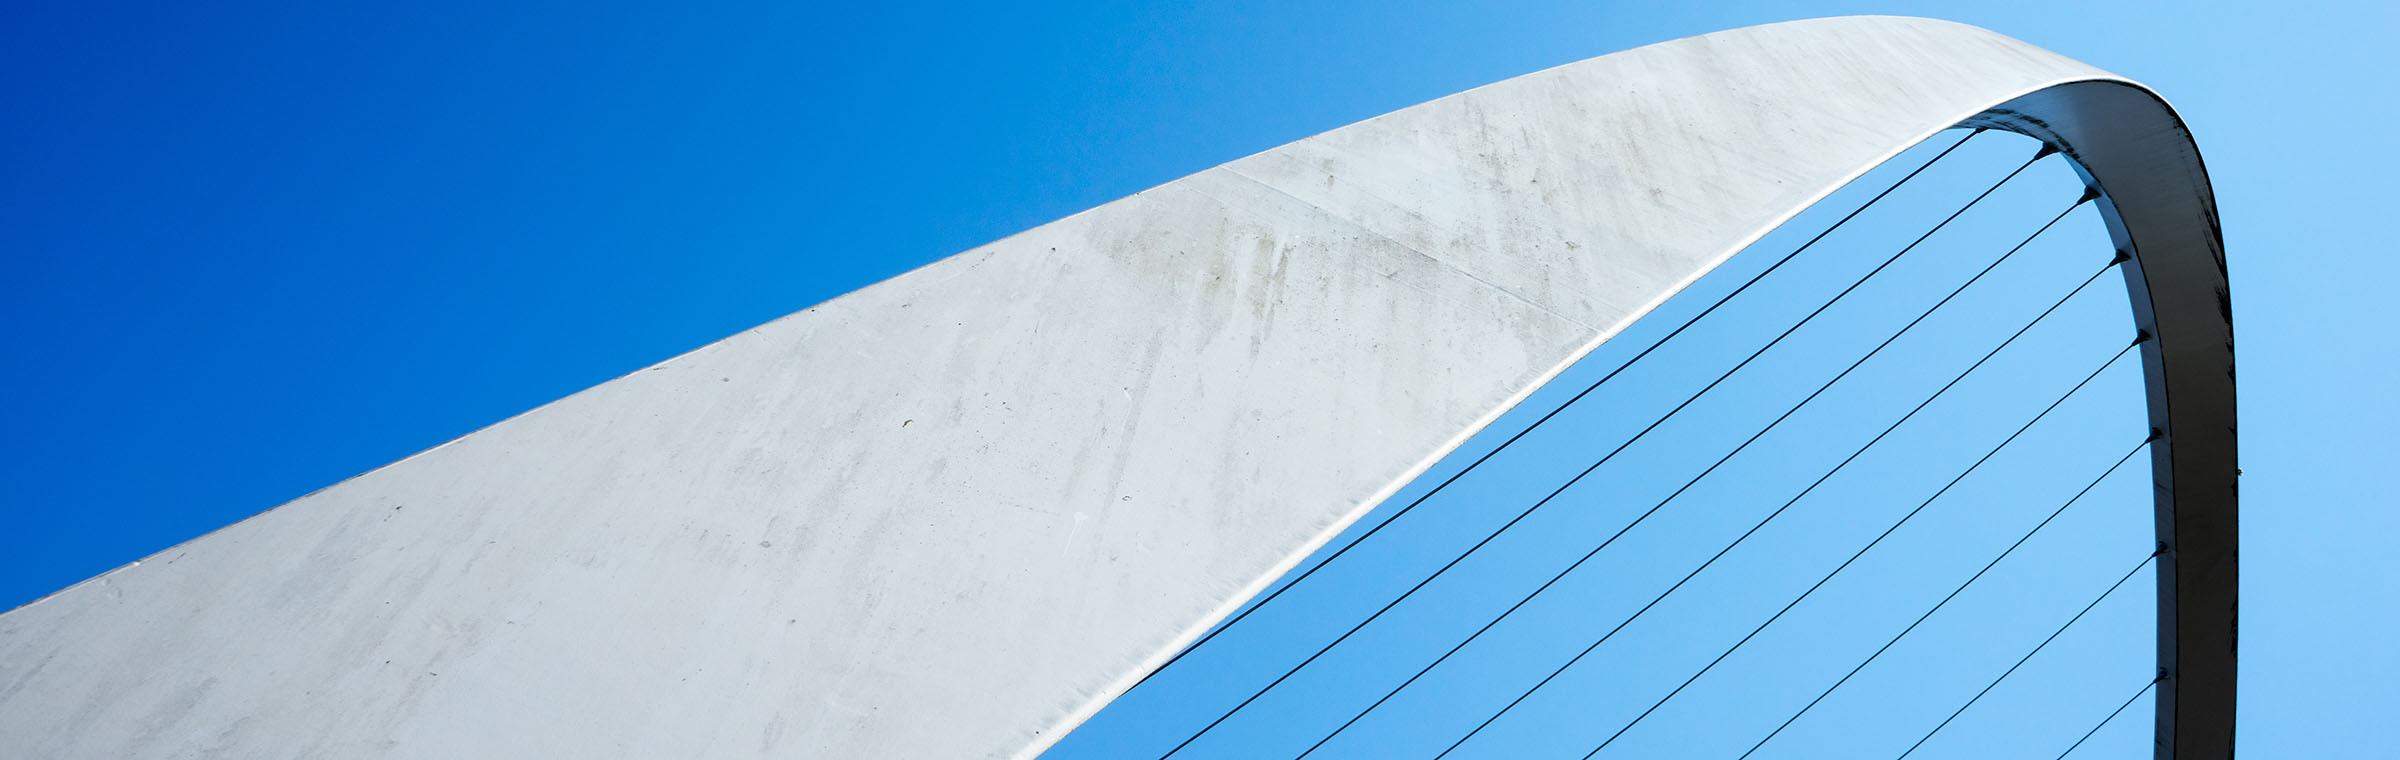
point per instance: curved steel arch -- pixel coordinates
(2126, 141)
(955, 513)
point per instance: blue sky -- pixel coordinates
(250, 249)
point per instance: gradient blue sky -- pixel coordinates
(250, 249)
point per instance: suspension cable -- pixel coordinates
(1612, 374)
(1862, 551)
(1696, 479)
(1803, 493)
(2112, 714)
(1654, 425)
(1962, 587)
(2037, 649)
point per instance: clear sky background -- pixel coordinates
(249, 249)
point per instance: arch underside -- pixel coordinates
(955, 513)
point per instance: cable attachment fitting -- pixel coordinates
(2047, 149)
(2090, 193)
(2140, 337)
(2161, 551)
(2155, 434)
(2121, 257)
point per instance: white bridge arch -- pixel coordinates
(955, 513)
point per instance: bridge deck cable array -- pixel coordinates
(2062, 398)
(1946, 599)
(1387, 695)
(1862, 551)
(2037, 649)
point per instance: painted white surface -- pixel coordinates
(954, 513)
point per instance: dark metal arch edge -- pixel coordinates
(2158, 206)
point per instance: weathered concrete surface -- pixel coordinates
(954, 513)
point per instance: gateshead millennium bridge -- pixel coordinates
(956, 513)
